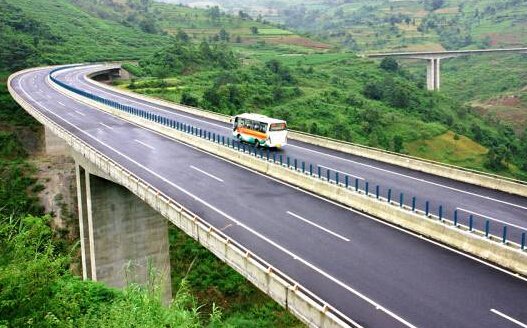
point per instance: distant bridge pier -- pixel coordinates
(433, 74)
(123, 239)
(433, 71)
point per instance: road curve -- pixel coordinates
(483, 204)
(376, 274)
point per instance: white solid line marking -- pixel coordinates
(435, 243)
(142, 143)
(133, 100)
(206, 173)
(106, 126)
(80, 113)
(318, 226)
(334, 170)
(61, 103)
(521, 324)
(491, 218)
(410, 177)
(281, 248)
(128, 97)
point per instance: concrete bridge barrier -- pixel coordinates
(457, 173)
(509, 256)
(305, 305)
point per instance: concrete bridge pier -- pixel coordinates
(433, 74)
(54, 145)
(123, 240)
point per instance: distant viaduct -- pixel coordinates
(433, 78)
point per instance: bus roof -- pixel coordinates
(260, 118)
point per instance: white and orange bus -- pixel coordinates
(260, 130)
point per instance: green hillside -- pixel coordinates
(56, 31)
(365, 25)
(337, 95)
(36, 285)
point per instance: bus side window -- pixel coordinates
(263, 127)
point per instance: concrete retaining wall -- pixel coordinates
(307, 307)
(448, 171)
(506, 255)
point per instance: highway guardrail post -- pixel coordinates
(281, 160)
(413, 204)
(440, 212)
(356, 184)
(401, 200)
(268, 154)
(471, 223)
(303, 167)
(337, 178)
(455, 218)
(319, 173)
(288, 162)
(389, 196)
(427, 208)
(504, 239)
(487, 228)
(274, 157)
(328, 172)
(310, 169)
(296, 167)
(367, 188)
(347, 181)
(377, 191)
(523, 241)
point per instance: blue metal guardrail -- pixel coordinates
(330, 176)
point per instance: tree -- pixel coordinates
(496, 157)
(224, 35)
(373, 90)
(254, 30)
(432, 5)
(389, 64)
(189, 99)
(182, 36)
(214, 13)
(398, 143)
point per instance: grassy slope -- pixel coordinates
(83, 36)
(324, 101)
(87, 38)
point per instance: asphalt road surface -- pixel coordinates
(483, 204)
(374, 273)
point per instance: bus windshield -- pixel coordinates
(277, 127)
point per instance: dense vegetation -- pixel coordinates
(50, 32)
(233, 64)
(36, 286)
(344, 97)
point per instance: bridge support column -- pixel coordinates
(122, 239)
(433, 74)
(55, 145)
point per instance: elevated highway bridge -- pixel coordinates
(328, 263)
(433, 72)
